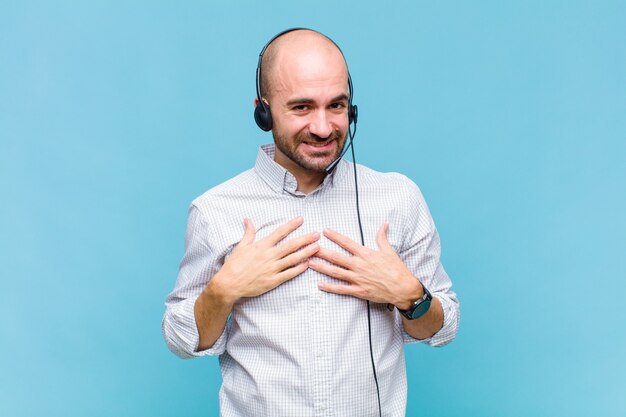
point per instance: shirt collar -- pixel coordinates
(279, 179)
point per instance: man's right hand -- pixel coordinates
(252, 269)
(255, 268)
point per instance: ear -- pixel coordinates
(256, 102)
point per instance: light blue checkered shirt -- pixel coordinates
(297, 351)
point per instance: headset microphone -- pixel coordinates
(331, 167)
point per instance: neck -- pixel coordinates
(307, 184)
(307, 180)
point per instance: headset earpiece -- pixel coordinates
(263, 116)
(353, 113)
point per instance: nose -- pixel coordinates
(320, 125)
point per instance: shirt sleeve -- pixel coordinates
(198, 265)
(421, 253)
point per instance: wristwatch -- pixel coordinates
(419, 307)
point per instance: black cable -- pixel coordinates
(369, 319)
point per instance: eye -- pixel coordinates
(338, 106)
(300, 108)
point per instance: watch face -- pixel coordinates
(421, 309)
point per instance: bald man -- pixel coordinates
(274, 278)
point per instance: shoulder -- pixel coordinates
(394, 190)
(394, 183)
(224, 193)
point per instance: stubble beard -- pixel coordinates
(313, 161)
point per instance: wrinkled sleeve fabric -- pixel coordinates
(421, 252)
(200, 262)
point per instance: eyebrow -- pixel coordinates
(294, 101)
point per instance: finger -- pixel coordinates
(340, 289)
(249, 231)
(293, 245)
(343, 241)
(334, 258)
(381, 237)
(331, 270)
(283, 231)
(297, 257)
(292, 272)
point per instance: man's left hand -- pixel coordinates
(376, 275)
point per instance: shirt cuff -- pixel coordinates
(181, 332)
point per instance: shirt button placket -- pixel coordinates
(316, 383)
(320, 322)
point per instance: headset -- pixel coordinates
(262, 113)
(263, 119)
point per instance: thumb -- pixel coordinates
(249, 231)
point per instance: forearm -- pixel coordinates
(211, 311)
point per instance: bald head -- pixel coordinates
(289, 52)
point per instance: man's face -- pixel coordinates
(309, 105)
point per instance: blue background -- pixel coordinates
(511, 116)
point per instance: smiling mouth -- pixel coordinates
(319, 144)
